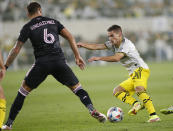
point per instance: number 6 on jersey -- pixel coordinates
(48, 38)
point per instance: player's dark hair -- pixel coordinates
(33, 8)
(115, 28)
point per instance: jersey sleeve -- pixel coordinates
(108, 44)
(60, 26)
(24, 34)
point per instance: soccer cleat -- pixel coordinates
(5, 127)
(167, 111)
(99, 116)
(136, 107)
(154, 118)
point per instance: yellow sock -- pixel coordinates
(147, 102)
(125, 97)
(2, 111)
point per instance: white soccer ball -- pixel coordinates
(115, 114)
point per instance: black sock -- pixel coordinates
(15, 108)
(85, 99)
(134, 102)
(153, 114)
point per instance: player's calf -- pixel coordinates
(16, 107)
(85, 99)
(125, 97)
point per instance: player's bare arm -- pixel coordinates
(2, 68)
(1, 62)
(13, 53)
(92, 46)
(115, 58)
(67, 35)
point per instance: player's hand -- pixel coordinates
(79, 44)
(2, 73)
(93, 59)
(80, 62)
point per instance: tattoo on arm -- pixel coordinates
(13, 53)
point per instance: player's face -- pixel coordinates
(114, 37)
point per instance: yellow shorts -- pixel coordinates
(138, 78)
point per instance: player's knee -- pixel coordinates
(118, 89)
(139, 89)
(80, 92)
(26, 87)
(76, 88)
(23, 91)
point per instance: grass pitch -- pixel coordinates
(53, 107)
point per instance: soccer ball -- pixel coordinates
(115, 114)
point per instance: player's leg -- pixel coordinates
(2, 106)
(33, 78)
(85, 99)
(17, 105)
(83, 96)
(65, 75)
(167, 110)
(125, 91)
(143, 96)
(126, 97)
(140, 85)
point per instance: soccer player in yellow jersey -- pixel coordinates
(126, 53)
(2, 97)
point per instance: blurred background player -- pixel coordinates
(167, 111)
(44, 35)
(126, 53)
(2, 97)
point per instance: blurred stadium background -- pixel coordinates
(148, 23)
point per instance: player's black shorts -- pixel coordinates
(50, 65)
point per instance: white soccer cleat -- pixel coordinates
(136, 107)
(154, 118)
(5, 127)
(99, 116)
(167, 111)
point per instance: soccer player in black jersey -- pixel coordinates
(43, 33)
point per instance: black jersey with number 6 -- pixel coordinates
(43, 33)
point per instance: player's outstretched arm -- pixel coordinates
(2, 68)
(115, 58)
(13, 53)
(67, 35)
(1, 62)
(91, 46)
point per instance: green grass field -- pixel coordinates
(53, 107)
